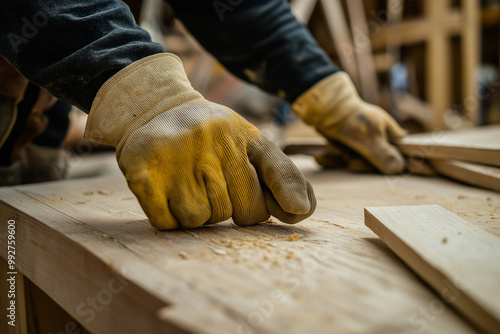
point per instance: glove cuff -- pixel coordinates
(328, 102)
(135, 95)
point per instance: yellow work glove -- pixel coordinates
(189, 161)
(334, 107)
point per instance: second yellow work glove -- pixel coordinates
(189, 161)
(335, 109)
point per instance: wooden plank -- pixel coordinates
(415, 31)
(303, 9)
(479, 145)
(76, 237)
(457, 259)
(396, 8)
(437, 60)
(366, 66)
(339, 30)
(418, 166)
(471, 38)
(478, 175)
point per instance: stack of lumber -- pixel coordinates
(471, 156)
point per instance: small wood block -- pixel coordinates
(460, 261)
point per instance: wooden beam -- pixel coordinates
(342, 40)
(416, 31)
(457, 259)
(437, 61)
(303, 9)
(470, 59)
(366, 66)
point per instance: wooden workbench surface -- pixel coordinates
(87, 241)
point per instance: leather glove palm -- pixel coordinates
(334, 107)
(189, 161)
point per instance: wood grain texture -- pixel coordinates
(478, 175)
(79, 239)
(459, 260)
(479, 145)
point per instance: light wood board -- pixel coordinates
(480, 145)
(459, 260)
(479, 175)
(89, 238)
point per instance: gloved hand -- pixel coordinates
(334, 107)
(189, 161)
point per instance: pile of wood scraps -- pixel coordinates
(471, 156)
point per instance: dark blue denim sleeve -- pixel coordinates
(259, 41)
(71, 47)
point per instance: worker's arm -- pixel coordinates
(262, 42)
(259, 41)
(71, 47)
(187, 160)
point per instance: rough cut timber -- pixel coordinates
(479, 175)
(479, 145)
(86, 238)
(459, 260)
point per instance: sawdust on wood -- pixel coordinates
(185, 256)
(103, 192)
(254, 251)
(293, 237)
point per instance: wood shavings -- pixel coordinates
(263, 249)
(219, 252)
(53, 200)
(293, 237)
(103, 192)
(183, 255)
